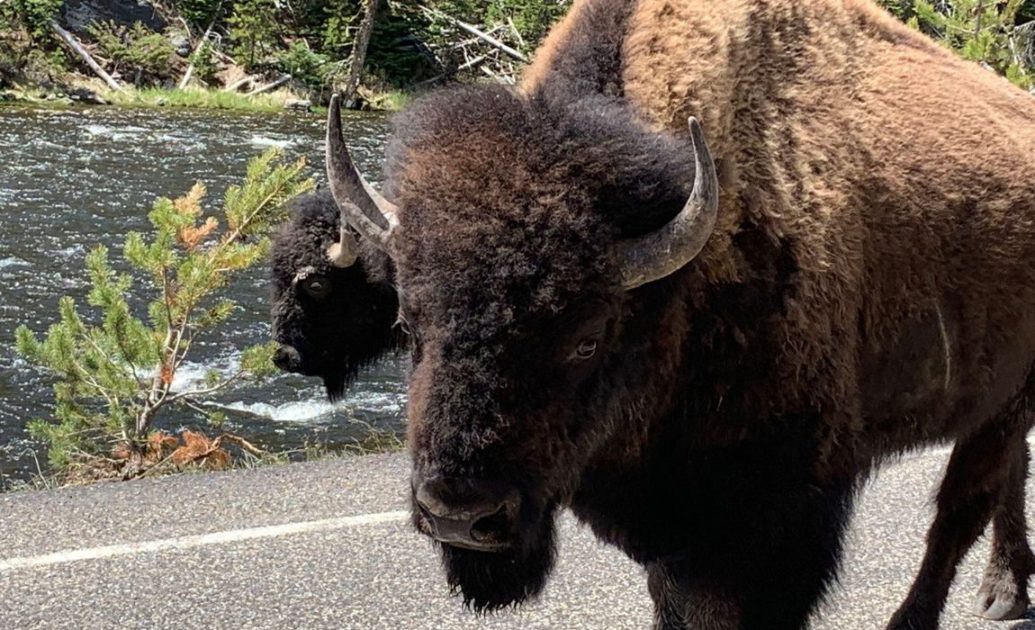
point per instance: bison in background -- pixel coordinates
(702, 358)
(330, 319)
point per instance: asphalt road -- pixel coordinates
(327, 545)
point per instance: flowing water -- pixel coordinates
(70, 179)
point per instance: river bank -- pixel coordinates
(85, 92)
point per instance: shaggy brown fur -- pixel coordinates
(870, 288)
(892, 174)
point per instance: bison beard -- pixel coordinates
(489, 581)
(334, 383)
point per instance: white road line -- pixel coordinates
(199, 540)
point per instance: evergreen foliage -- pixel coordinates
(135, 51)
(33, 16)
(983, 31)
(254, 30)
(311, 68)
(204, 60)
(312, 39)
(113, 369)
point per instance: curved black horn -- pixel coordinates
(653, 256)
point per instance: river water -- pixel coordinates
(70, 179)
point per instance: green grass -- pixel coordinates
(20, 96)
(218, 99)
(391, 101)
(195, 98)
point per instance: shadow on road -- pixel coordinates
(1028, 623)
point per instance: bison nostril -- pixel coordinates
(429, 504)
(467, 513)
(492, 528)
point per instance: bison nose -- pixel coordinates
(287, 358)
(472, 515)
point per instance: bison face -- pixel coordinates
(330, 320)
(518, 228)
(502, 417)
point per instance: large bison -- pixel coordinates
(701, 350)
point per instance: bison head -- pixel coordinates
(334, 306)
(519, 228)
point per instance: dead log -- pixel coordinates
(266, 88)
(359, 52)
(485, 37)
(74, 44)
(236, 85)
(204, 39)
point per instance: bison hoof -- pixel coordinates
(998, 599)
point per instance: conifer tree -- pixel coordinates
(114, 370)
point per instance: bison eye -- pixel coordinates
(585, 350)
(317, 287)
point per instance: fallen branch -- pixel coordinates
(516, 32)
(204, 40)
(499, 78)
(242, 443)
(78, 48)
(266, 88)
(485, 37)
(472, 40)
(236, 85)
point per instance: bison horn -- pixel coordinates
(344, 252)
(361, 206)
(653, 256)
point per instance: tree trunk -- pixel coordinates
(359, 53)
(78, 48)
(203, 42)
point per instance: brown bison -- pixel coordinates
(703, 350)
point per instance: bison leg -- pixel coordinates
(976, 479)
(678, 605)
(767, 572)
(1004, 591)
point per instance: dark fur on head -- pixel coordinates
(510, 210)
(349, 325)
